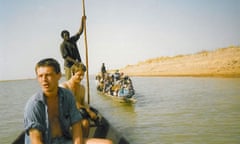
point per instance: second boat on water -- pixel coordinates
(117, 86)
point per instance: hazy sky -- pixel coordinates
(119, 32)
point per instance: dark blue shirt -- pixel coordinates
(36, 116)
(69, 49)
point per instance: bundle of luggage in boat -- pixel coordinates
(115, 84)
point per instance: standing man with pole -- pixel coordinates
(69, 49)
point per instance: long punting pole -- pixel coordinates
(86, 47)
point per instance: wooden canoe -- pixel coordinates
(102, 130)
(122, 99)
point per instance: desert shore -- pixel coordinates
(222, 62)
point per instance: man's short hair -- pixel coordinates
(63, 32)
(78, 67)
(49, 62)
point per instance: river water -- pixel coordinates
(169, 110)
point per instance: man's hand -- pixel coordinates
(35, 136)
(84, 18)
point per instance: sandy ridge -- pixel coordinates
(223, 62)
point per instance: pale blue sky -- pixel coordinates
(119, 32)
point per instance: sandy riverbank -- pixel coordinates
(223, 62)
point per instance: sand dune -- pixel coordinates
(223, 62)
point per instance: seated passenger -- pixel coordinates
(78, 90)
(50, 115)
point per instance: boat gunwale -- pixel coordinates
(125, 99)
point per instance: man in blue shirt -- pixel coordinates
(51, 113)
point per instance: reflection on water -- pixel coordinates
(169, 110)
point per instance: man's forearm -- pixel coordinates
(77, 133)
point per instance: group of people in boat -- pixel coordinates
(58, 114)
(114, 84)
